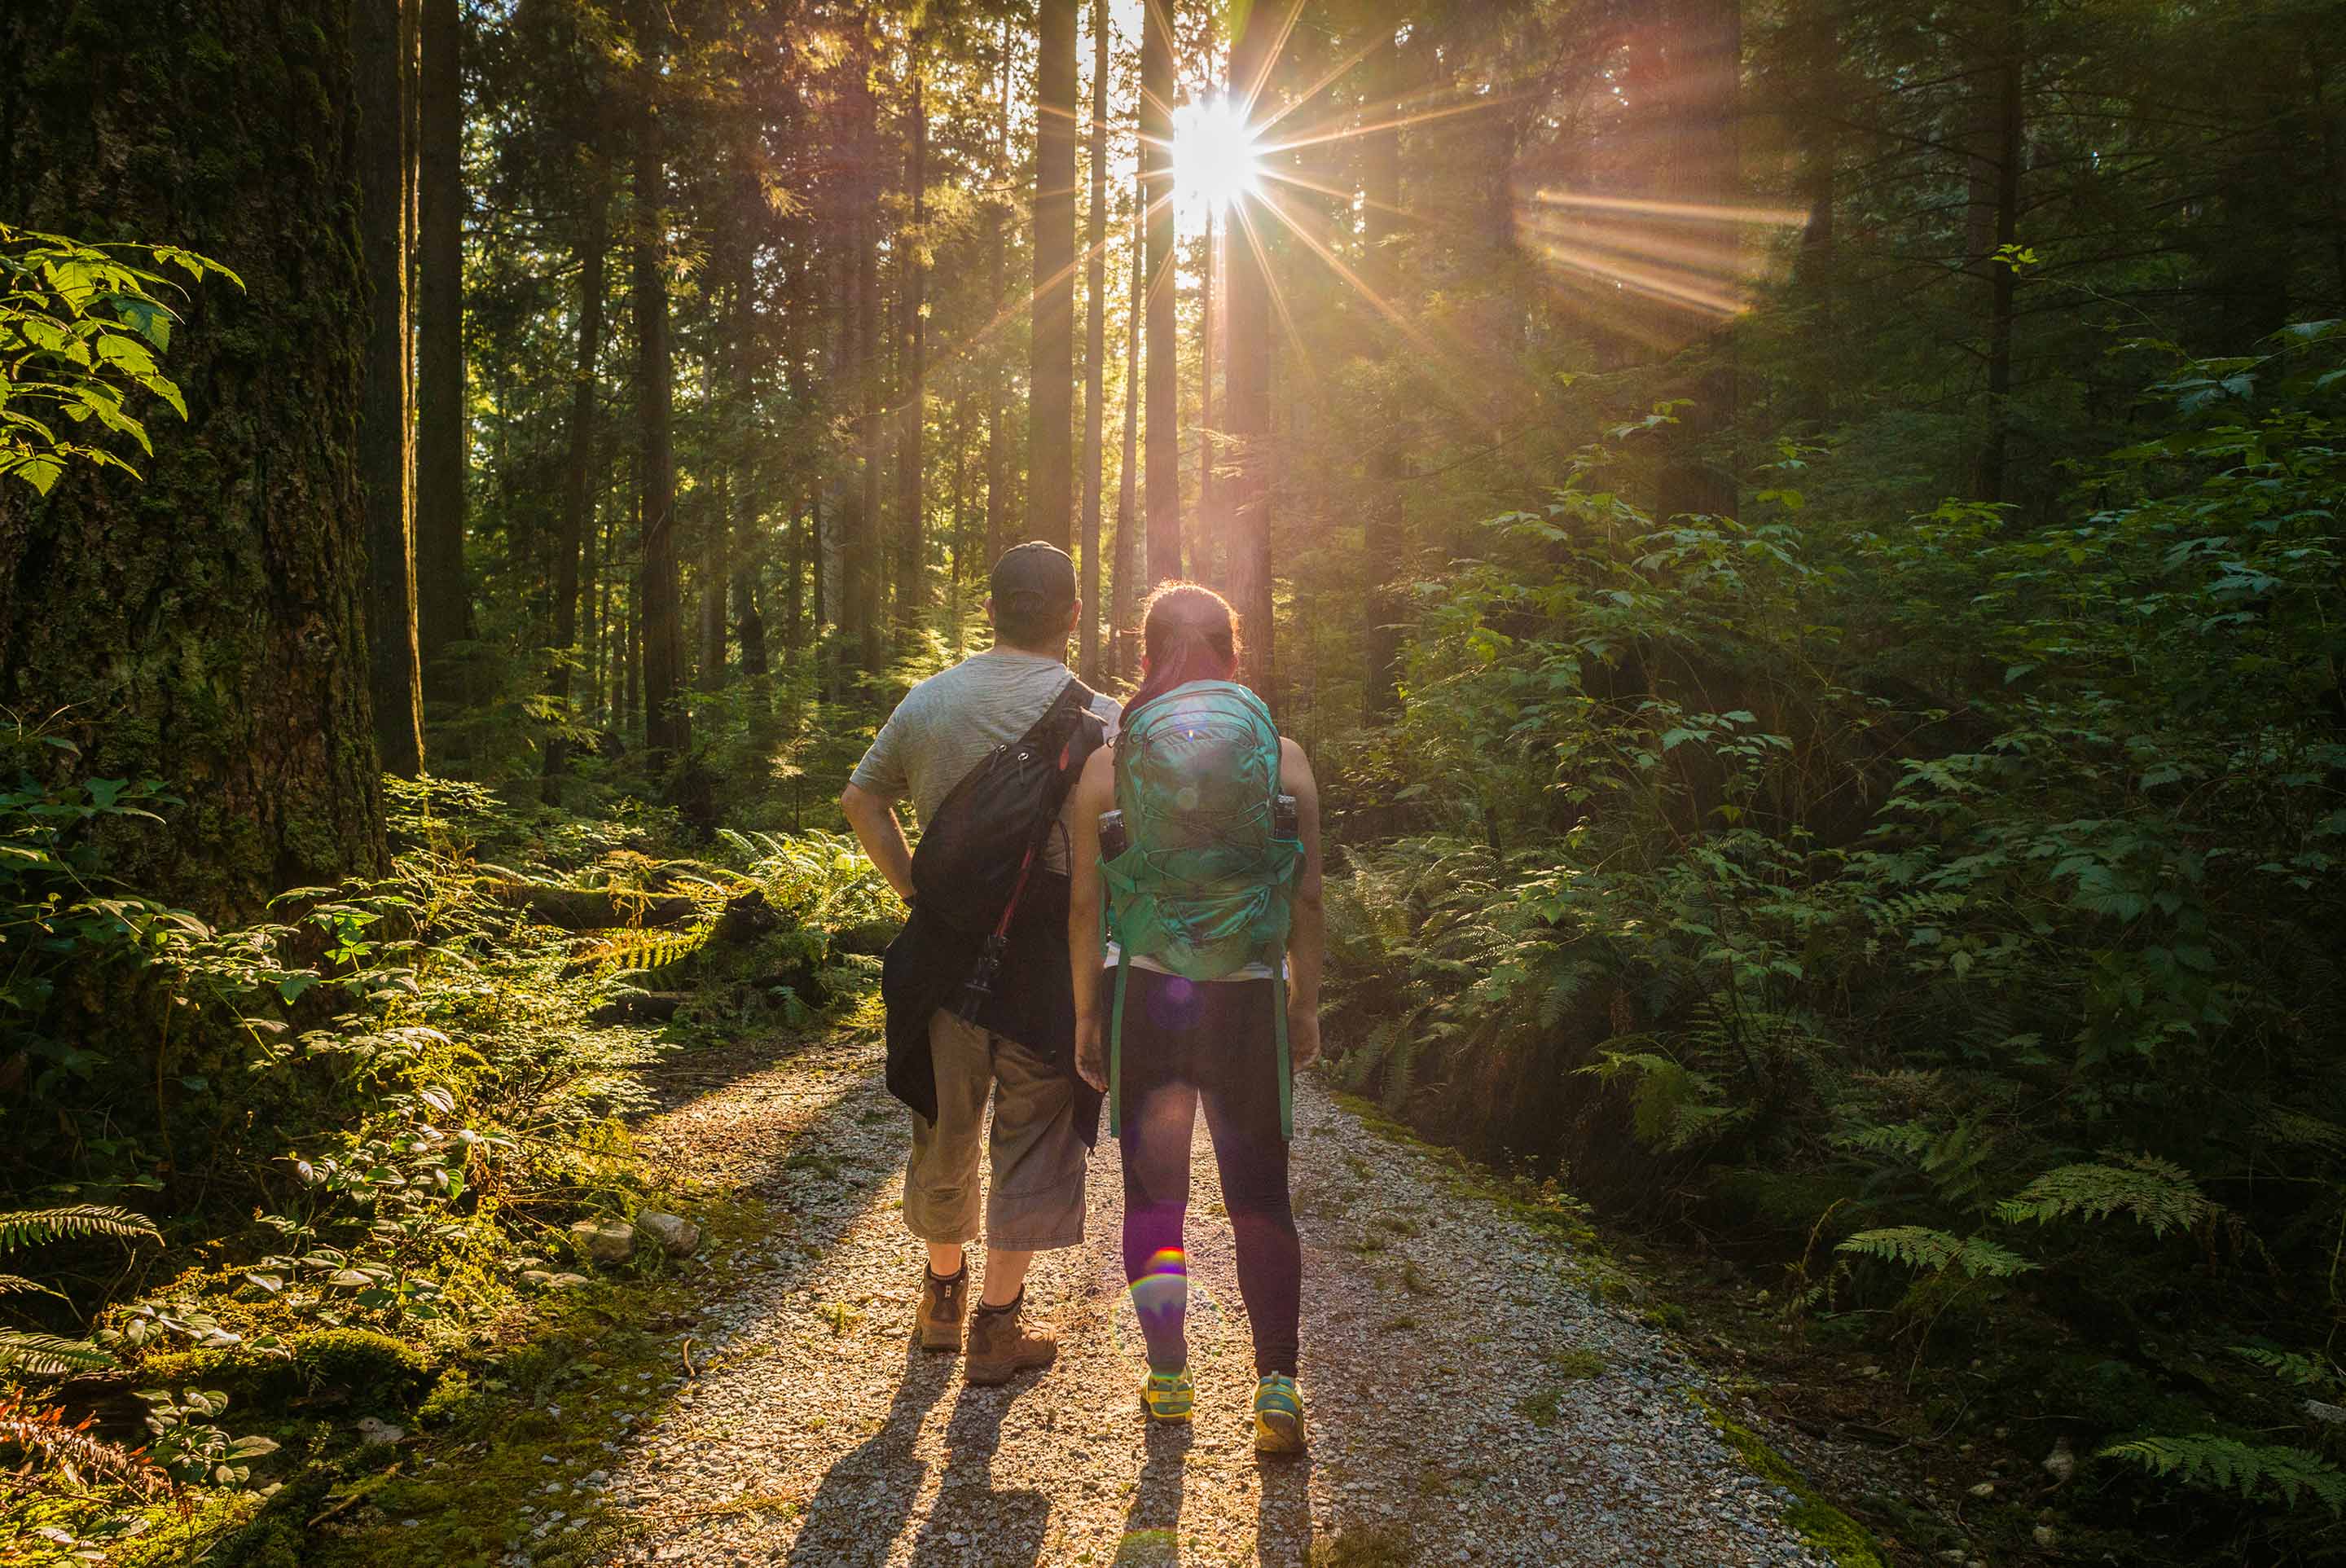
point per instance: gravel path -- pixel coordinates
(1468, 1401)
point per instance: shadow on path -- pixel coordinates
(1283, 1525)
(1009, 1525)
(1152, 1526)
(867, 1496)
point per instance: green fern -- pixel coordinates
(47, 1356)
(30, 1227)
(1675, 1107)
(2250, 1470)
(2290, 1368)
(2158, 1193)
(1921, 1247)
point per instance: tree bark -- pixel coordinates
(379, 30)
(1247, 378)
(864, 572)
(1050, 393)
(207, 625)
(997, 445)
(443, 611)
(577, 504)
(1164, 388)
(1704, 166)
(1381, 522)
(912, 481)
(1096, 350)
(2003, 276)
(997, 418)
(1127, 525)
(667, 731)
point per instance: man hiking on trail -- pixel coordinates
(978, 991)
(1205, 875)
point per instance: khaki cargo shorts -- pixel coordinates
(1035, 1202)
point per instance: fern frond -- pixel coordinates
(2290, 1368)
(17, 1284)
(2248, 1470)
(30, 1227)
(1921, 1247)
(1675, 1107)
(48, 1356)
(2158, 1192)
(43, 1434)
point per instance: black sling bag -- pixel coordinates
(978, 855)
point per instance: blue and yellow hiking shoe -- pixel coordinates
(1278, 1415)
(1168, 1396)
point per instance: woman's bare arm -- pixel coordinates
(1095, 792)
(1307, 938)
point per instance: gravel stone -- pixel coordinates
(1434, 1324)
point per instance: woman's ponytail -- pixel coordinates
(1188, 633)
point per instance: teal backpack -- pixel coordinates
(1204, 885)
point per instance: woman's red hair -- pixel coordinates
(1189, 632)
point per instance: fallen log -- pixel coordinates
(593, 909)
(640, 1007)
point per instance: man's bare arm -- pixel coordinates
(881, 835)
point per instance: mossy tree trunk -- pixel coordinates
(667, 724)
(207, 626)
(443, 602)
(379, 35)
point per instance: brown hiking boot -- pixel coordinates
(944, 1304)
(999, 1347)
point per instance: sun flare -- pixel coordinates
(1217, 156)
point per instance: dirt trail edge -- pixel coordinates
(1471, 1399)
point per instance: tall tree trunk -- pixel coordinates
(1246, 373)
(724, 538)
(596, 586)
(1703, 165)
(997, 418)
(1382, 532)
(1208, 547)
(1095, 348)
(228, 659)
(744, 520)
(379, 31)
(1127, 525)
(1050, 393)
(577, 505)
(2003, 278)
(997, 444)
(668, 727)
(632, 708)
(864, 562)
(958, 578)
(1164, 389)
(794, 581)
(912, 481)
(713, 578)
(444, 610)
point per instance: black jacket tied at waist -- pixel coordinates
(1033, 1001)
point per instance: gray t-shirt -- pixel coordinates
(946, 725)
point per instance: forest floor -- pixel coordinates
(1477, 1391)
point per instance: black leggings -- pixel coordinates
(1184, 1043)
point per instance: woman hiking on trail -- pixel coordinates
(1196, 935)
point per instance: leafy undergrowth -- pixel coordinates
(401, 1099)
(1938, 912)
